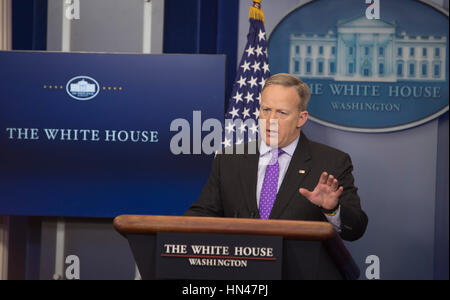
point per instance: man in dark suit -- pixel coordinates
(289, 176)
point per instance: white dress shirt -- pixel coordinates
(283, 161)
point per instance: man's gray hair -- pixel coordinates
(288, 80)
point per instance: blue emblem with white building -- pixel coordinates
(82, 88)
(366, 75)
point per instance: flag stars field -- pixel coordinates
(252, 73)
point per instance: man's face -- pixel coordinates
(280, 116)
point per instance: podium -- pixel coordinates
(310, 250)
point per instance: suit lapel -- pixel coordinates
(298, 169)
(249, 177)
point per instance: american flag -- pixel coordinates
(246, 95)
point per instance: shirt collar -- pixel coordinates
(289, 149)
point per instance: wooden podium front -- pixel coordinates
(310, 250)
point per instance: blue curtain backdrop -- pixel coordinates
(29, 24)
(203, 27)
(29, 32)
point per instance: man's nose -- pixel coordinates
(272, 123)
(273, 116)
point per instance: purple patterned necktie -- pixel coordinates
(270, 185)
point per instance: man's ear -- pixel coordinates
(303, 117)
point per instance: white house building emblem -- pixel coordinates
(368, 50)
(82, 88)
(367, 74)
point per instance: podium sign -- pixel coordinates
(218, 256)
(172, 247)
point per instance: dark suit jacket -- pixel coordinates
(231, 188)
